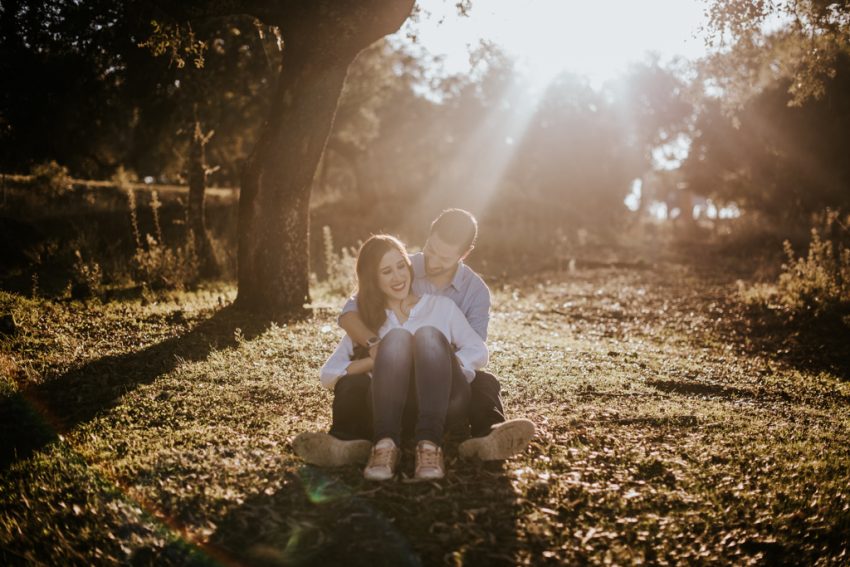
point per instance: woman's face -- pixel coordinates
(394, 275)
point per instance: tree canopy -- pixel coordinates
(295, 87)
(797, 40)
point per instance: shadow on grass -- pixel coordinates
(34, 417)
(335, 517)
(807, 344)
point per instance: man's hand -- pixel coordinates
(373, 351)
(354, 327)
(361, 365)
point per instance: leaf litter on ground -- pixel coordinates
(664, 436)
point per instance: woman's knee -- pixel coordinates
(430, 336)
(396, 338)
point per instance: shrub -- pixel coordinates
(87, 277)
(51, 179)
(160, 267)
(818, 283)
(155, 265)
(123, 177)
(340, 276)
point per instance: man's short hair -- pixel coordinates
(456, 227)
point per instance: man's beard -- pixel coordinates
(435, 272)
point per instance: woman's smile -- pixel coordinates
(394, 275)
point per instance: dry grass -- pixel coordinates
(668, 433)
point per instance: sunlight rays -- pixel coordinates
(476, 170)
(543, 39)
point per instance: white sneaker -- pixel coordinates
(505, 440)
(382, 461)
(429, 462)
(325, 450)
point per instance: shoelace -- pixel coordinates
(382, 457)
(429, 457)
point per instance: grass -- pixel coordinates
(159, 434)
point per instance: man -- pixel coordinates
(438, 270)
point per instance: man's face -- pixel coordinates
(440, 257)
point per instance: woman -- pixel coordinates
(426, 358)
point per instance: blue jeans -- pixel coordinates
(419, 376)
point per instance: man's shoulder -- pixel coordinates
(474, 280)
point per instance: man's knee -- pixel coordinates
(486, 383)
(351, 384)
(351, 409)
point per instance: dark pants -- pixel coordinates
(352, 408)
(485, 404)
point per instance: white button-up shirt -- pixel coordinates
(431, 310)
(467, 290)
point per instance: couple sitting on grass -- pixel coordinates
(411, 362)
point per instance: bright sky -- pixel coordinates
(589, 37)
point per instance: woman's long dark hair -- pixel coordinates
(371, 302)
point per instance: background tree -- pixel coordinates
(319, 39)
(219, 90)
(487, 140)
(379, 79)
(62, 99)
(78, 89)
(774, 156)
(225, 86)
(578, 153)
(799, 40)
(654, 106)
(772, 130)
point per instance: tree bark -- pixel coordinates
(275, 198)
(274, 214)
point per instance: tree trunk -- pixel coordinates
(321, 38)
(195, 214)
(274, 203)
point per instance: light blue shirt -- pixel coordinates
(467, 290)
